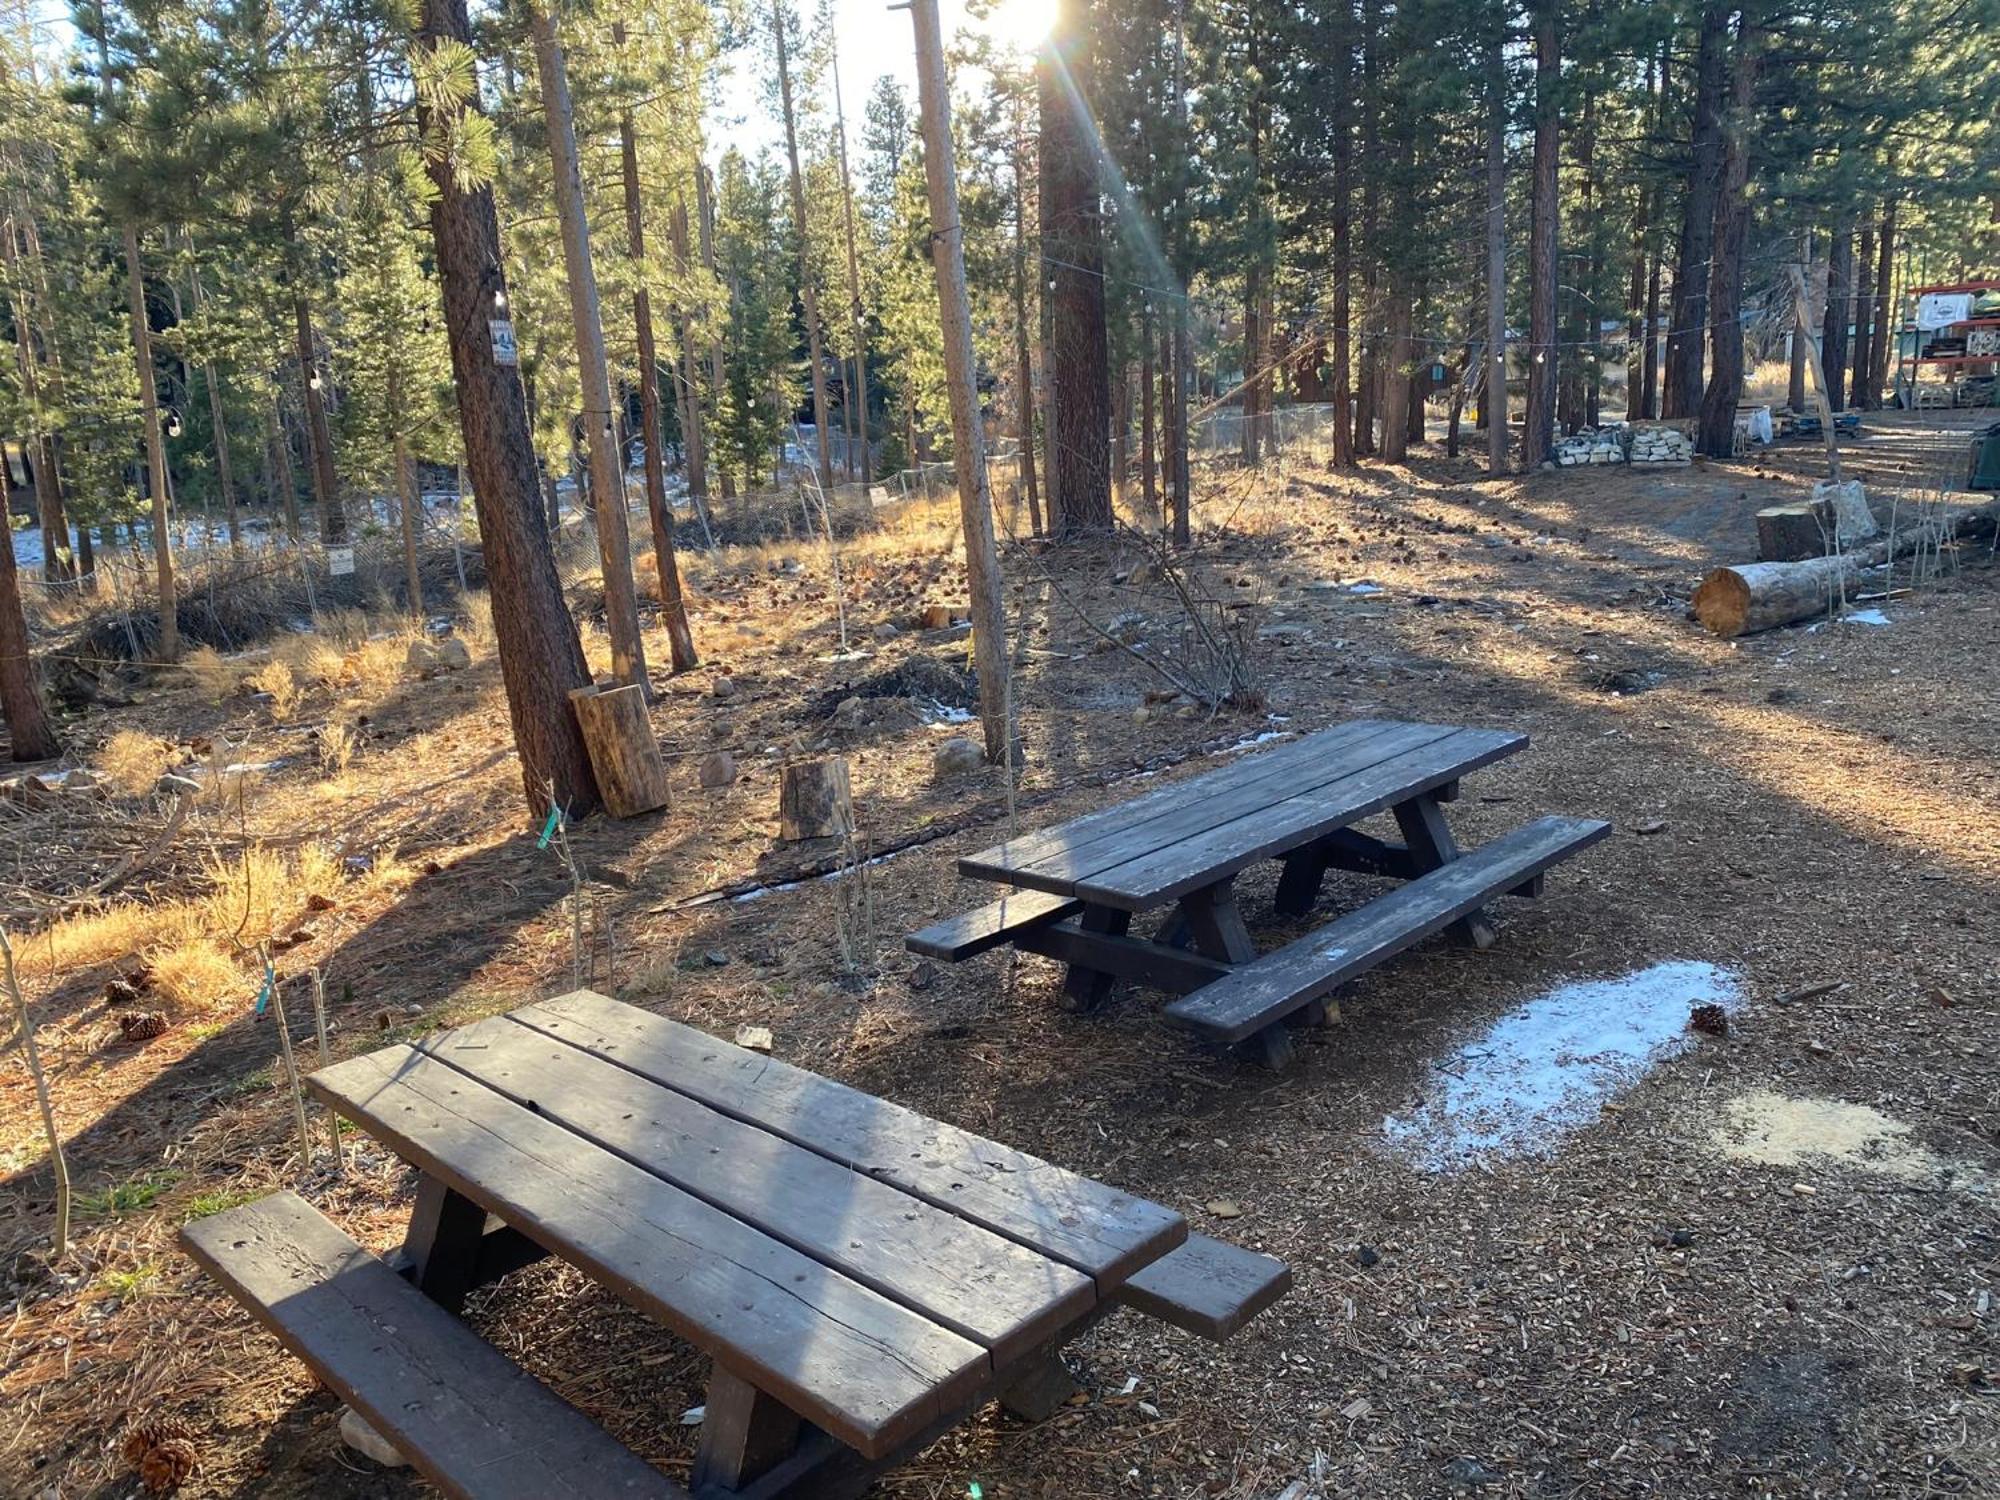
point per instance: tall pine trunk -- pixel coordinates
(1080, 498)
(808, 291)
(59, 563)
(278, 458)
(857, 400)
(607, 469)
(1688, 314)
(319, 436)
(1149, 494)
(1839, 309)
(1538, 433)
(156, 448)
(1579, 326)
(541, 660)
(1494, 401)
(30, 736)
(1024, 369)
(659, 514)
(1863, 356)
(1717, 434)
(1885, 331)
(1397, 396)
(704, 194)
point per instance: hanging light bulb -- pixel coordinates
(500, 298)
(313, 380)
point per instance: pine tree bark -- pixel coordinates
(687, 387)
(1149, 492)
(1688, 314)
(156, 448)
(30, 735)
(968, 442)
(1862, 357)
(1649, 387)
(1839, 309)
(673, 610)
(1885, 331)
(319, 436)
(1717, 433)
(1795, 376)
(1538, 434)
(1256, 334)
(1024, 369)
(857, 319)
(1396, 393)
(1368, 387)
(704, 197)
(808, 292)
(1578, 323)
(1177, 427)
(1494, 401)
(59, 564)
(541, 659)
(278, 456)
(607, 471)
(1072, 242)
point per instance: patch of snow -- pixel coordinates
(1364, 587)
(1546, 1069)
(1865, 617)
(1253, 742)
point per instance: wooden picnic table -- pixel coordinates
(863, 1277)
(1079, 885)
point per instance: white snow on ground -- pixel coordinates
(1547, 1068)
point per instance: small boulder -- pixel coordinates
(723, 688)
(365, 1440)
(453, 655)
(886, 631)
(717, 769)
(956, 756)
(421, 657)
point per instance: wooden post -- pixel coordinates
(814, 801)
(968, 440)
(624, 756)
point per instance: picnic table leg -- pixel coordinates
(1431, 846)
(1216, 924)
(442, 1244)
(1087, 987)
(743, 1433)
(1041, 1392)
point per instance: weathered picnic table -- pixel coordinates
(862, 1277)
(1078, 886)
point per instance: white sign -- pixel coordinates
(340, 561)
(1942, 309)
(505, 351)
(878, 494)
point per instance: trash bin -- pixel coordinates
(1982, 470)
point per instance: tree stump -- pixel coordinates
(1792, 533)
(624, 756)
(813, 800)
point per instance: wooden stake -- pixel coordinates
(59, 1240)
(1819, 372)
(291, 1063)
(325, 1057)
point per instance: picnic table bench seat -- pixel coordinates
(1208, 1287)
(468, 1418)
(1255, 995)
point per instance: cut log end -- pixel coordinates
(624, 756)
(814, 801)
(1722, 602)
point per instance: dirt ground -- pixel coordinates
(1734, 1280)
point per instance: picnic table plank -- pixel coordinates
(1075, 868)
(471, 1420)
(1257, 994)
(1103, 1232)
(1002, 860)
(1220, 851)
(977, 1283)
(848, 1359)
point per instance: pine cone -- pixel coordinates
(167, 1466)
(143, 1437)
(142, 1026)
(1711, 1020)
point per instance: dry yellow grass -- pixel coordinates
(214, 678)
(277, 678)
(133, 762)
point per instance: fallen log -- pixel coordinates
(1750, 597)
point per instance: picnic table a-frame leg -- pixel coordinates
(744, 1433)
(1214, 923)
(453, 1246)
(1087, 987)
(1431, 847)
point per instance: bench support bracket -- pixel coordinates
(743, 1433)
